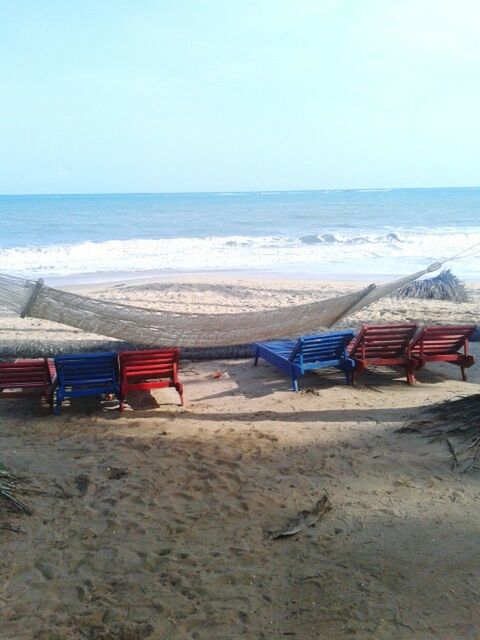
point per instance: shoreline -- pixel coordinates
(109, 278)
(105, 278)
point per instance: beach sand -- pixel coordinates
(154, 524)
(212, 294)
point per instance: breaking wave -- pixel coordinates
(325, 254)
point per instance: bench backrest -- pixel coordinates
(25, 372)
(321, 347)
(442, 340)
(87, 368)
(383, 341)
(149, 362)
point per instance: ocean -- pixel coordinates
(352, 234)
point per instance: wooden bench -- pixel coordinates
(86, 374)
(23, 378)
(319, 351)
(384, 345)
(444, 344)
(149, 369)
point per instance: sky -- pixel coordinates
(216, 95)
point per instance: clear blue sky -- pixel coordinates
(214, 95)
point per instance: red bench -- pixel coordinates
(384, 345)
(444, 344)
(149, 369)
(23, 378)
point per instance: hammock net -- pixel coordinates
(166, 328)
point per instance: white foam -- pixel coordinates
(324, 254)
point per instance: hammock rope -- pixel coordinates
(465, 253)
(162, 327)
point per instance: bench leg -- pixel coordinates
(58, 405)
(410, 370)
(468, 361)
(256, 358)
(294, 382)
(50, 398)
(179, 388)
(358, 367)
(121, 396)
(348, 369)
(353, 381)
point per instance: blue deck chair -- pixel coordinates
(295, 357)
(86, 374)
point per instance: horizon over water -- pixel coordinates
(337, 234)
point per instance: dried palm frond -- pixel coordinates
(457, 423)
(10, 487)
(445, 286)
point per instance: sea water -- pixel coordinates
(349, 234)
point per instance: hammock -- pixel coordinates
(166, 328)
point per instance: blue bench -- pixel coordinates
(296, 357)
(86, 374)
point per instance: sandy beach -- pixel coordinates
(203, 177)
(155, 523)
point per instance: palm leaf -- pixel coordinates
(10, 487)
(445, 286)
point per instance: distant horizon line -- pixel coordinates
(231, 191)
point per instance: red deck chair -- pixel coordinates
(23, 378)
(384, 345)
(149, 369)
(444, 344)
